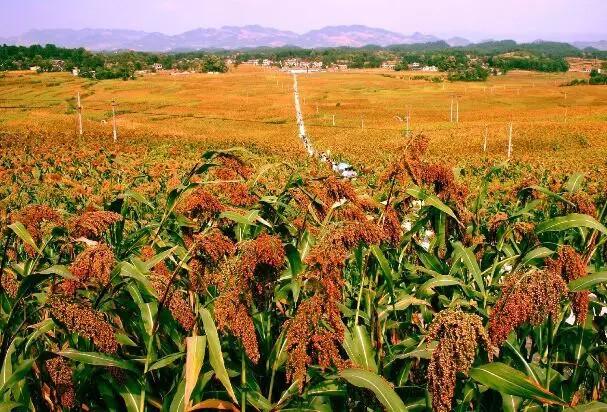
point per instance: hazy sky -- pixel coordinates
(475, 19)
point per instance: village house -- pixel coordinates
(390, 64)
(335, 67)
(157, 66)
(430, 69)
(57, 65)
(75, 71)
(290, 63)
(35, 68)
(254, 62)
(267, 62)
(580, 65)
(415, 66)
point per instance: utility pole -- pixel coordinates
(451, 118)
(485, 139)
(408, 119)
(79, 115)
(457, 110)
(115, 134)
(362, 122)
(510, 141)
(333, 120)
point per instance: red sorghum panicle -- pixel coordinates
(496, 221)
(570, 266)
(62, 376)
(202, 205)
(582, 203)
(528, 298)
(93, 224)
(391, 226)
(232, 315)
(176, 300)
(214, 246)
(259, 262)
(36, 218)
(9, 282)
(232, 167)
(94, 262)
(338, 189)
(266, 250)
(80, 318)
(405, 166)
(458, 335)
(442, 179)
(233, 306)
(523, 230)
(314, 336)
(239, 194)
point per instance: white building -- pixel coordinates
(157, 66)
(75, 71)
(390, 65)
(430, 69)
(35, 68)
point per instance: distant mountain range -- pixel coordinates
(232, 37)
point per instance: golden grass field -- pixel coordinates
(553, 126)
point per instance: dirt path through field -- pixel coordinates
(300, 120)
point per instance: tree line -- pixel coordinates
(473, 62)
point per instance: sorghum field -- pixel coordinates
(202, 262)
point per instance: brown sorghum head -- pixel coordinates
(214, 246)
(176, 300)
(232, 315)
(496, 221)
(528, 298)
(9, 282)
(36, 219)
(202, 205)
(570, 266)
(94, 262)
(93, 224)
(62, 377)
(582, 204)
(80, 318)
(260, 260)
(314, 336)
(391, 226)
(458, 335)
(232, 167)
(238, 194)
(338, 189)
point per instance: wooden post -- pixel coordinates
(457, 110)
(408, 117)
(510, 141)
(333, 120)
(79, 115)
(485, 139)
(451, 118)
(115, 134)
(362, 123)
